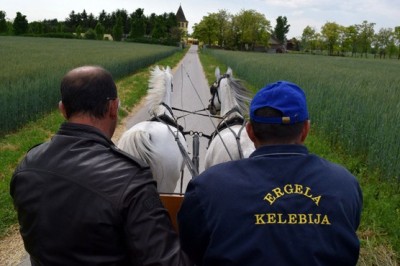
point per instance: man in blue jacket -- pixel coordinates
(281, 206)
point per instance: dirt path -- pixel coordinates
(11, 248)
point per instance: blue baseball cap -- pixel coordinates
(283, 96)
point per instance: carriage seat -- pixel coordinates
(172, 202)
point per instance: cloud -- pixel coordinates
(291, 4)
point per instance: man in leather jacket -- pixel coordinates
(82, 201)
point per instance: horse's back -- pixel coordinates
(217, 151)
(154, 143)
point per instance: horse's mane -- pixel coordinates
(241, 93)
(157, 89)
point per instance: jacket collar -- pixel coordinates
(84, 131)
(280, 150)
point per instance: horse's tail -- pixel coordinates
(138, 144)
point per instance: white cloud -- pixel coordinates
(291, 4)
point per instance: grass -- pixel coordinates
(13, 146)
(353, 102)
(29, 80)
(379, 231)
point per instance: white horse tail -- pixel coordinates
(138, 143)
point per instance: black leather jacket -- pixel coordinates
(82, 201)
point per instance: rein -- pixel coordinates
(196, 113)
(211, 108)
(171, 121)
(188, 161)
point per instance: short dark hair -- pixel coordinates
(87, 90)
(275, 133)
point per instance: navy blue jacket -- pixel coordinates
(281, 206)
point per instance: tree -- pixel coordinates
(206, 30)
(253, 29)
(172, 27)
(106, 20)
(307, 38)
(84, 20)
(138, 20)
(3, 22)
(391, 48)
(99, 30)
(20, 24)
(118, 29)
(160, 27)
(293, 44)
(223, 21)
(366, 34)
(36, 27)
(122, 15)
(396, 35)
(79, 31)
(331, 32)
(52, 26)
(60, 27)
(91, 21)
(72, 21)
(351, 38)
(382, 41)
(151, 22)
(281, 29)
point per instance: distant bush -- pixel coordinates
(168, 42)
(90, 35)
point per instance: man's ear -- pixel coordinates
(250, 132)
(305, 131)
(61, 107)
(113, 108)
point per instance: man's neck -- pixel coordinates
(100, 124)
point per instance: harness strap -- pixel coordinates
(237, 137)
(168, 108)
(185, 155)
(167, 120)
(226, 124)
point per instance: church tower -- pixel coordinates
(182, 22)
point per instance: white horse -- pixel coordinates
(230, 140)
(154, 141)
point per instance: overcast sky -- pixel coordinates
(300, 13)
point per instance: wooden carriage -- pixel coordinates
(172, 202)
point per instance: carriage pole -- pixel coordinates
(196, 143)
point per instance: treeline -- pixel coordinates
(119, 24)
(359, 39)
(250, 30)
(243, 31)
